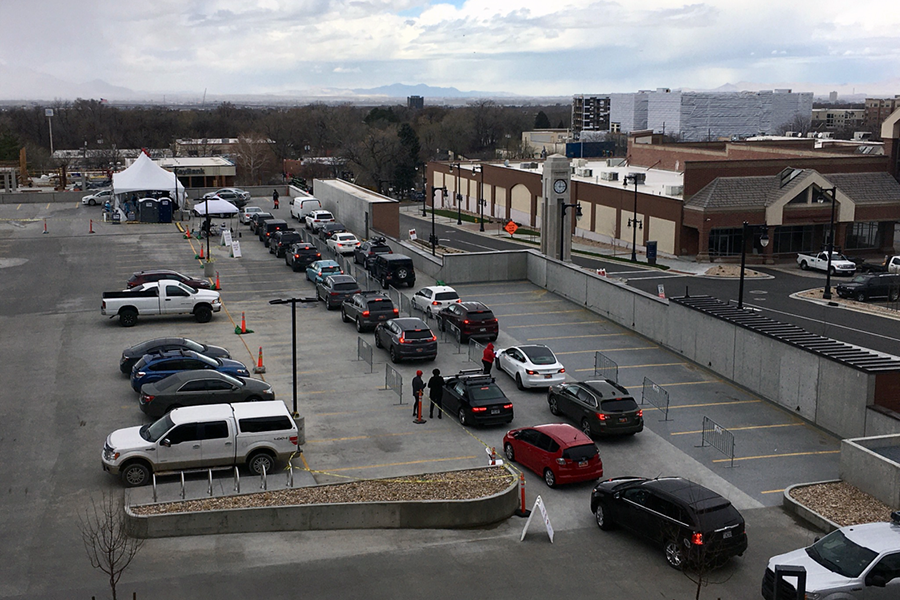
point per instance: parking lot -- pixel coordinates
(63, 394)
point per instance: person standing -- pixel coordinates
(275, 198)
(435, 392)
(418, 387)
(487, 359)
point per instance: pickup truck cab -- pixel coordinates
(891, 264)
(840, 264)
(256, 434)
(164, 297)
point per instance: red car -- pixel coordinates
(559, 452)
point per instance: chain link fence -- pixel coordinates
(605, 367)
(718, 437)
(657, 396)
(364, 352)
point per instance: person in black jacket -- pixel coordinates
(418, 387)
(275, 198)
(435, 392)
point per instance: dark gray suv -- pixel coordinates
(864, 287)
(393, 269)
(368, 309)
(334, 289)
(406, 338)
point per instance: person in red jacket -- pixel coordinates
(487, 359)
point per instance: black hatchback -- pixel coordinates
(600, 407)
(692, 524)
(301, 255)
(406, 338)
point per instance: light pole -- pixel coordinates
(763, 241)
(825, 193)
(433, 237)
(458, 195)
(633, 222)
(562, 225)
(481, 201)
(293, 302)
(425, 199)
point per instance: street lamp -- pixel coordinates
(481, 200)
(824, 193)
(293, 302)
(458, 195)
(433, 237)
(763, 241)
(633, 223)
(562, 225)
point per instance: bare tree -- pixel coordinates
(254, 157)
(106, 541)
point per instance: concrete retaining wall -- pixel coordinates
(871, 472)
(361, 210)
(436, 514)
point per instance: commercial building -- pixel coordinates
(415, 102)
(877, 110)
(201, 172)
(590, 113)
(838, 118)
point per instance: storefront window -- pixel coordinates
(725, 242)
(793, 238)
(862, 235)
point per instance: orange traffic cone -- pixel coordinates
(45, 226)
(243, 323)
(91, 230)
(218, 287)
(259, 365)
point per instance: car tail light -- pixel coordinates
(365, 313)
(602, 416)
(508, 405)
(318, 255)
(530, 372)
(697, 539)
(560, 461)
(640, 412)
(296, 256)
(294, 439)
(147, 398)
(493, 321)
(435, 303)
(141, 373)
(563, 370)
(333, 294)
(479, 408)
(433, 338)
(465, 321)
(459, 299)
(402, 340)
(103, 304)
(396, 311)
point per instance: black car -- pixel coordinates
(191, 388)
(366, 251)
(301, 255)
(469, 320)
(282, 240)
(476, 399)
(864, 287)
(406, 338)
(149, 276)
(368, 309)
(266, 228)
(692, 524)
(131, 355)
(393, 269)
(329, 229)
(256, 218)
(600, 407)
(334, 289)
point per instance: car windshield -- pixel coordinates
(837, 553)
(539, 355)
(156, 430)
(485, 394)
(446, 296)
(618, 405)
(579, 453)
(860, 279)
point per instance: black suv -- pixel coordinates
(267, 228)
(469, 320)
(393, 269)
(693, 524)
(282, 240)
(256, 218)
(301, 255)
(406, 338)
(368, 309)
(329, 229)
(863, 287)
(334, 289)
(476, 399)
(599, 407)
(366, 251)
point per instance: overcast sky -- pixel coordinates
(527, 47)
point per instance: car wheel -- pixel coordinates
(91, 202)
(461, 415)
(344, 316)
(377, 341)
(803, 265)
(893, 296)
(586, 427)
(510, 453)
(135, 474)
(402, 273)
(674, 554)
(128, 317)
(203, 314)
(549, 478)
(519, 382)
(554, 407)
(394, 357)
(260, 460)
(359, 325)
(861, 297)
(602, 518)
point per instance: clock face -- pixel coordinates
(559, 186)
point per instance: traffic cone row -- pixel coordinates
(199, 256)
(259, 368)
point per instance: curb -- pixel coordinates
(810, 516)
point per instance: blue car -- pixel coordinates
(157, 366)
(318, 270)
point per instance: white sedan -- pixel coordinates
(430, 300)
(98, 198)
(531, 366)
(247, 212)
(343, 243)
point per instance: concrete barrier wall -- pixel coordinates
(436, 514)
(350, 203)
(881, 423)
(843, 396)
(871, 472)
(41, 197)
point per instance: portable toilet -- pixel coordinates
(148, 210)
(165, 210)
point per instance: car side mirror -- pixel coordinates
(876, 579)
(166, 443)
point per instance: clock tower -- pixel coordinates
(556, 188)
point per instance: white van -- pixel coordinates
(302, 206)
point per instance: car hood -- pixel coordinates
(817, 576)
(846, 264)
(127, 439)
(255, 385)
(234, 365)
(206, 295)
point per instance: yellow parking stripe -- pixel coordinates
(400, 464)
(741, 428)
(702, 404)
(530, 302)
(573, 337)
(777, 455)
(773, 491)
(675, 364)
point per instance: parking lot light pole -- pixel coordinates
(763, 241)
(823, 195)
(425, 200)
(293, 302)
(480, 169)
(633, 223)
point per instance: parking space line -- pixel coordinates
(675, 364)
(762, 456)
(572, 337)
(400, 464)
(607, 350)
(553, 324)
(549, 312)
(741, 428)
(355, 412)
(702, 404)
(531, 302)
(636, 387)
(364, 437)
(773, 491)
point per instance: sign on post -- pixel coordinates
(511, 227)
(538, 505)
(412, 234)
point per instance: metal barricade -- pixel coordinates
(364, 352)
(718, 437)
(393, 381)
(605, 367)
(476, 351)
(657, 396)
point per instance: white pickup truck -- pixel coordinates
(163, 297)
(839, 263)
(191, 438)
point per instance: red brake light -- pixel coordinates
(697, 539)
(433, 338)
(333, 294)
(465, 321)
(640, 412)
(396, 311)
(318, 255)
(507, 405)
(365, 313)
(563, 370)
(147, 398)
(479, 408)
(530, 372)
(402, 340)
(293, 439)
(435, 303)
(602, 416)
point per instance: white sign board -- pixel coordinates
(412, 234)
(538, 505)
(226, 237)
(236, 249)
(661, 290)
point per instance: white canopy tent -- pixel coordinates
(215, 206)
(144, 175)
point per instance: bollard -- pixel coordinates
(91, 230)
(419, 420)
(522, 511)
(45, 226)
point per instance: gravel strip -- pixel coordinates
(842, 503)
(455, 485)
